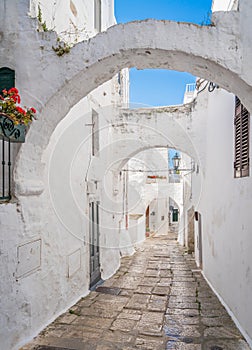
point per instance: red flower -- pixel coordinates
(13, 91)
(14, 98)
(33, 110)
(21, 110)
(4, 92)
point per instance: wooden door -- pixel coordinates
(94, 244)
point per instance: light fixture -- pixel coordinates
(176, 161)
(176, 164)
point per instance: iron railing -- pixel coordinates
(5, 180)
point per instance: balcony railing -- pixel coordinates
(190, 92)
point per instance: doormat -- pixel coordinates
(107, 290)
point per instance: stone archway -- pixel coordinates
(137, 130)
(210, 52)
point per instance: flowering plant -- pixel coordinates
(9, 102)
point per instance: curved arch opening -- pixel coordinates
(178, 55)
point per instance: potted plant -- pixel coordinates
(14, 119)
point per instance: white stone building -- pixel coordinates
(50, 260)
(64, 169)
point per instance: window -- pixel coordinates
(241, 163)
(7, 78)
(95, 133)
(97, 15)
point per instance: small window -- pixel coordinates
(242, 125)
(95, 133)
(97, 15)
(7, 78)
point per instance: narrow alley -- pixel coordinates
(158, 299)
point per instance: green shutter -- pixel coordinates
(7, 78)
(175, 215)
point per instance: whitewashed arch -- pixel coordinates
(210, 52)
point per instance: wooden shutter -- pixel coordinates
(242, 116)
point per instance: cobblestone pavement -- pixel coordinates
(160, 301)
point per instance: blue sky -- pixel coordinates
(161, 87)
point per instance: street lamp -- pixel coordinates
(176, 161)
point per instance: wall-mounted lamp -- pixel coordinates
(176, 163)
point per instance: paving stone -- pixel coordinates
(152, 273)
(165, 273)
(93, 322)
(129, 314)
(182, 346)
(128, 282)
(222, 332)
(163, 303)
(126, 292)
(99, 312)
(53, 331)
(157, 303)
(161, 290)
(183, 312)
(182, 320)
(150, 281)
(216, 321)
(124, 325)
(225, 344)
(151, 323)
(185, 305)
(105, 346)
(66, 318)
(183, 291)
(164, 282)
(149, 344)
(144, 289)
(117, 337)
(138, 302)
(182, 299)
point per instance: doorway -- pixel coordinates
(147, 222)
(198, 218)
(94, 243)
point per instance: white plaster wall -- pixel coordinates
(225, 207)
(45, 78)
(61, 225)
(224, 5)
(73, 20)
(136, 229)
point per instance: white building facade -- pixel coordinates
(68, 175)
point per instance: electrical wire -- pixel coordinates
(152, 171)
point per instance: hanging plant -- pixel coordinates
(10, 106)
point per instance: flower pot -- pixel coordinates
(10, 131)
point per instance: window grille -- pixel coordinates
(242, 125)
(5, 179)
(7, 81)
